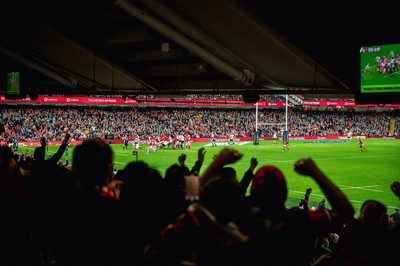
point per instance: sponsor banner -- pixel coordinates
(343, 104)
(129, 101)
(72, 100)
(177, 102)
(328, 103)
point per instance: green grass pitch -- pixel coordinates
(360, 175)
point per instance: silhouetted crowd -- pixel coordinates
(87, 215)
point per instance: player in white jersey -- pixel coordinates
(231, 139)
(213, 140)
(136, 143)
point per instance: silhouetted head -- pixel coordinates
(175, 178)
(39, 153)
(269, 187)
(373, 212)
(93, 163)
(141, 183)
(225, 198)
(43, 141)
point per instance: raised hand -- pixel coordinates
(228, 156)
(225, 156)
(395, 187)
(253, 164)
(200, 155)
(305, 166)
(182, 159)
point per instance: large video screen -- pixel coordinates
(13, 86)
(379, 74)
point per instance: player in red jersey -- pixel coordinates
(285, 146)
(188, 142)
(361, 144)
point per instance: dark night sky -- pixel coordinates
(332, 34)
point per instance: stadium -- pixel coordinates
(196, 133)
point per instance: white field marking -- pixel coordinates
(361, 187)
(357, 157)
(122, 154)
(323, 196)
(208, 145)
(290, 161)
(302, 192)
(332, 158)
(222, 144)
(162, 169)
(293, 161)
(226, 144)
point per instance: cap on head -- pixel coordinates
(269, 183)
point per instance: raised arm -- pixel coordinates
(225, 156)
(200, 159)
(342, 210)
(57, 156)
(248, 175)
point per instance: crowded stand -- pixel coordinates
(87, 214)
(29, 123)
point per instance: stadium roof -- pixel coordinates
(175, 47)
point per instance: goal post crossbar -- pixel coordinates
(271, 124)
